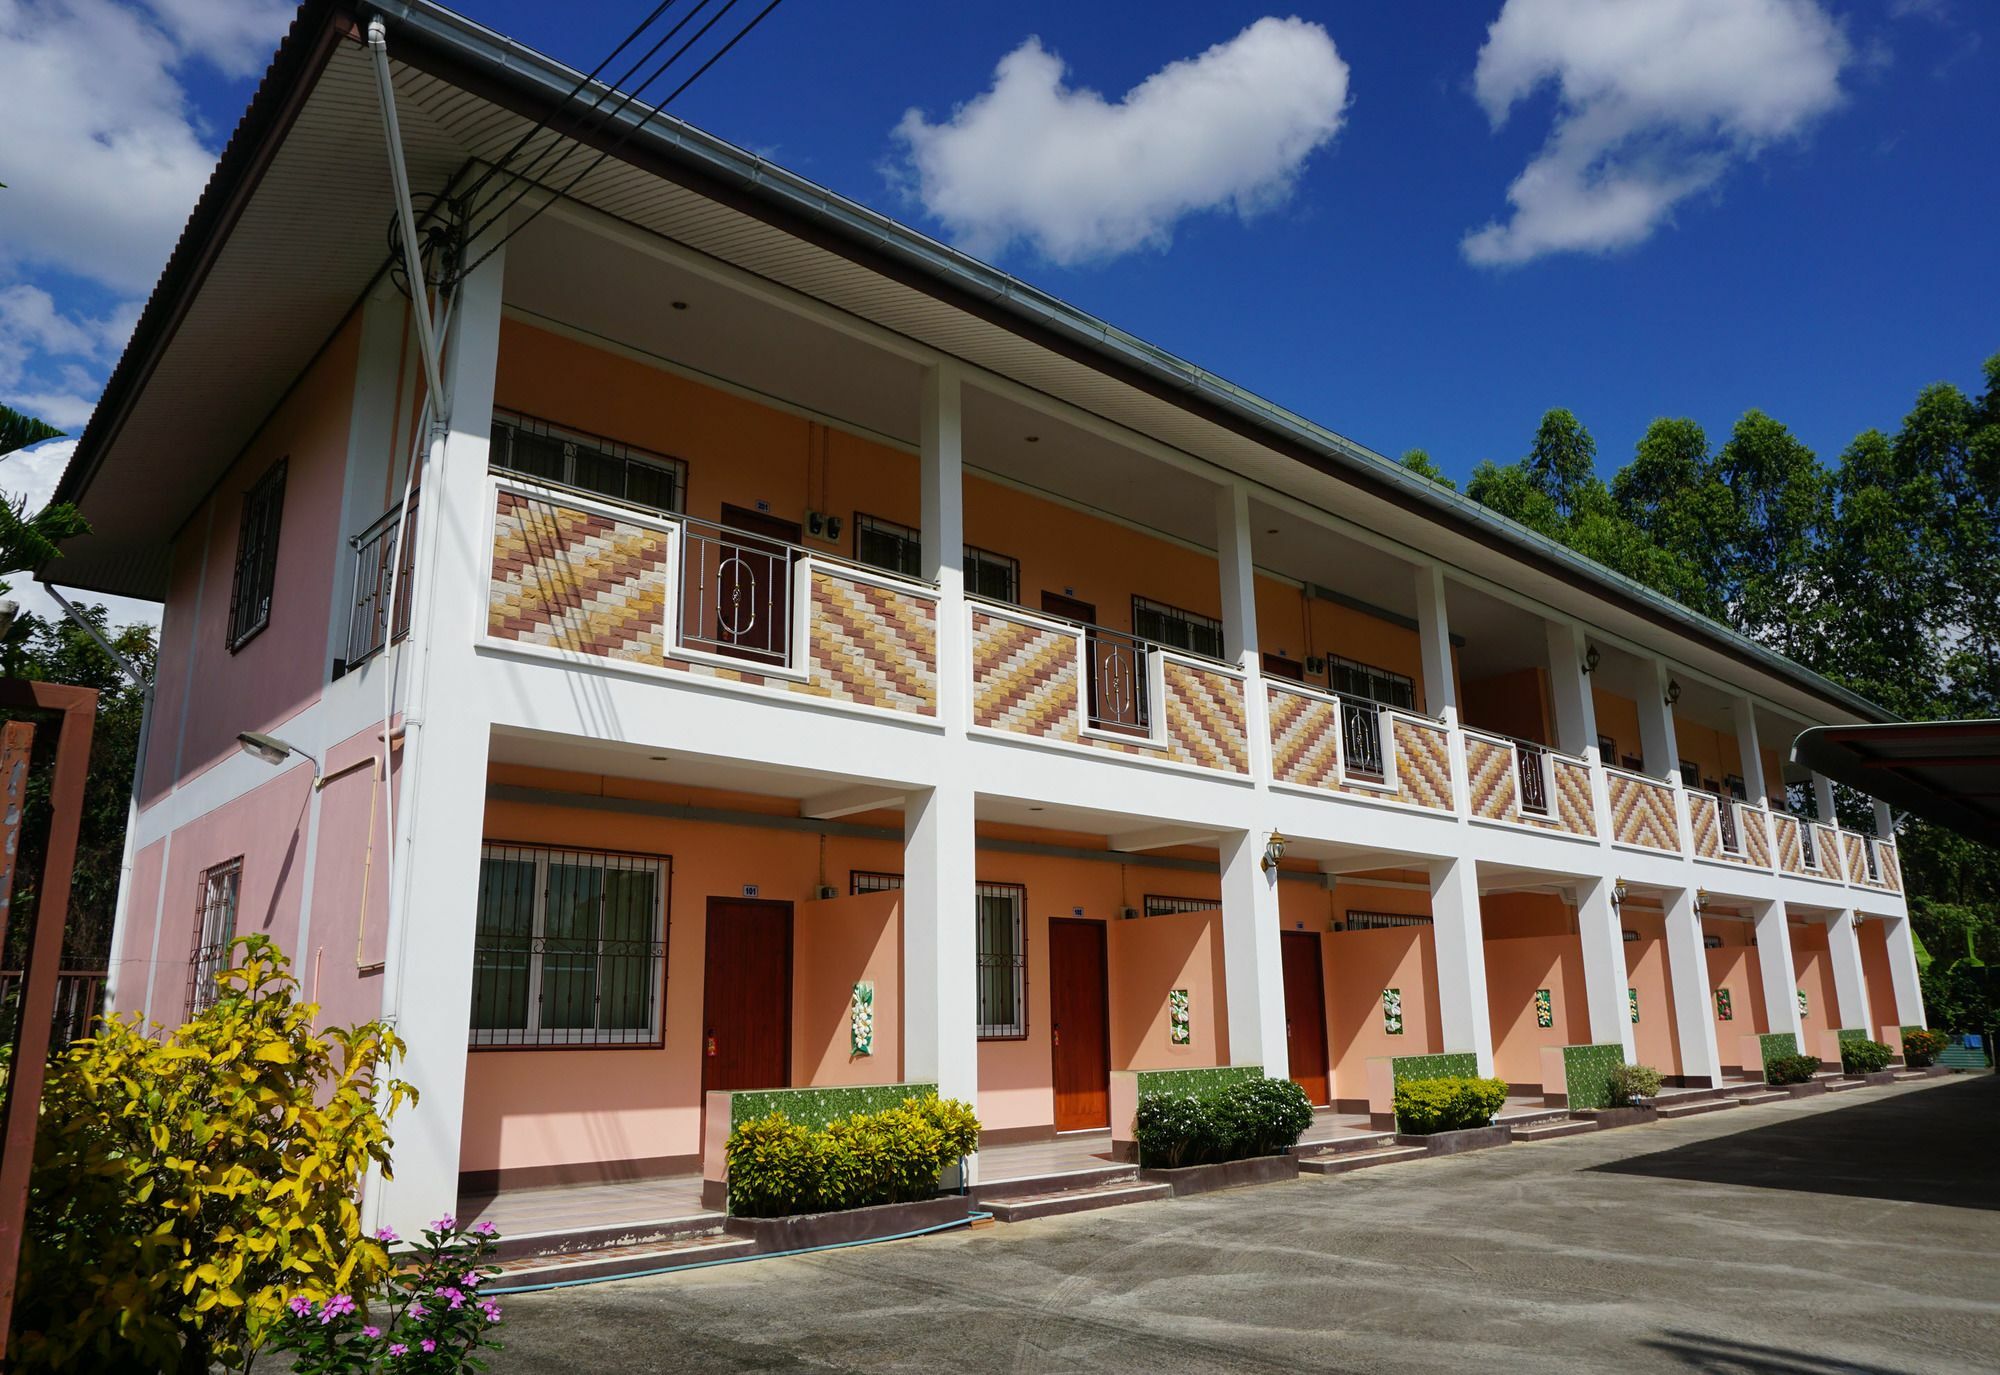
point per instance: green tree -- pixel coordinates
(1419, 462)
(1563, 459)
(30, 541)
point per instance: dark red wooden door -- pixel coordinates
(747, 996)
(1305, 1016)
(1079, 1024)
(744, 585)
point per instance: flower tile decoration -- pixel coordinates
(1802, 1003)
(861, 1019)
(1545, 1008)
(1632, 1000)
(1392, 1011)
(1180, 1021)
(1723, 1011)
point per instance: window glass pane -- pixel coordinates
(535, 455)
(569, 947)
(1000, 963)
(600, 472)
(501, 949)
(651, 485)
(626, 976)
(992, 575)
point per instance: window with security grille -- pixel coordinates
(590, 463)
(1350, 678)
(256, 557)
(1178, 629)
(1382, 921)
(868, 881)
(1157, 905)
(569, 948)
(1003, 960)
(900, 549)
(214, 927)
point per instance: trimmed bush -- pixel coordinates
(1427, 1106)
(1921, 1048)
(1252, 1118)
(1791, 1069)
(778, 1168)
(1629, 1082)
(1864, 1057)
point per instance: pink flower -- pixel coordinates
(456, 1296)
(428, 1344)
(299, 1304)
(338, 1306)
(398, 1349)
(371, 1332)
(470, 1279)
(444, 1224)
(385, 1235)
(417, 1310)
(491, 1310)
(486, 1229)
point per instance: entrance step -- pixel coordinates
(1344, 1145)
(1673, 1110)
(1040, 1185)
(1761, 1096)
(1843, 1085)
(570, 1241)
(1549, 1131)
(1059, 1202)
(1905, 1075)
(612, 1262)
(1344, 1162)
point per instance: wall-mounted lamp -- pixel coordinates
(272, 750)
(1673, 691)
(1700, 901)
(1591, 658)
(1274, 850)
(1617, 893)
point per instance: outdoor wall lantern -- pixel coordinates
(1673, 691)
(1618, 892)
(1700, 901)
(1591, 658)
(1274, 850)
(272, 750)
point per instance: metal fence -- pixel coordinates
(79, 1003)
(369, 627)
(736, 593)
(1361, 738)
(1118, 681)
(1531, 764)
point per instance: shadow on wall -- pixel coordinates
(1931, 1145)
(1725, 1357)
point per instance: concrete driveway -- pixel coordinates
(1849, 1235)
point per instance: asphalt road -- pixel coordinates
(1857, 1235)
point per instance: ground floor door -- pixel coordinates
(1305, 1016)
(1079, 1024)
(747, 996)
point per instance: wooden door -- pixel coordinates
(1305, 1016)
(747, 996)
(1079, 1024)
(742, 585)
(1113, 669)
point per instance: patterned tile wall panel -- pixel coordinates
(1751, 824)
(1024, 678)
(1587, 1074)
(1423, 764)
(1205, 718)
(1892, 869)
(1774, 1044)
(1575, 809)
(1305, 739)
(1826, 847)
(1642, 813)
(1170, 1083)
(872, 644)
(1702, 820)
(576, 581)
(1791, 856)
(1856, 861)
(1489, 772)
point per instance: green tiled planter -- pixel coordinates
(1773, 1044)
(1156, 1083)
(1587, 1074)
(817, 1107)
(1406, 1069)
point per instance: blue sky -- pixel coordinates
(1803, 219)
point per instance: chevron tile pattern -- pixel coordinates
(571, 580)
(1205, 718)
(1707, 829)
(1024, 678)
(1790, 857)
(1857, 862)
(1423, 764)
(1826, 845)
(1756, 840)
(1305, 739)
(1642, 813)
(1892, 869)
(1489, 772)
(1575, 809)
(872, 644)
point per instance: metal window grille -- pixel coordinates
(79, 1003)
(1382, 921)
(1361, 738)
(868, 881)
(1175, 628)
(256, 557)
(1690, 773)
(1530, 764)
(590, 463)
(1806, 844)
(1607, 748)
(569, 948)
(1725, 811)
(1351, 678)
(368, 626)
(1003, 960)
(216, 893)
(900, 549)
(1874, 865)
(1119, 682)
(1157, 905)
(991, 575)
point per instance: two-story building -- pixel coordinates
(764, 647)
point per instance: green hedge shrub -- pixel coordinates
(1628, 1082)
(1921, 1048)
(1252, 1118)
(1864, 1057)
(778, 1168)
(1425, 1106)
(1790, 1069)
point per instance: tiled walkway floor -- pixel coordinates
(564, 1207)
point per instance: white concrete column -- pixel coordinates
(1238, 573)
(941, 462)
(1252, 965)
(1657, 738)
(1576, 709)
(1747, 746)
(1781, 980)
(1464, 1015)
(433, 897)
(940, 948)
(1850, 985)
(1605, 979)
(1823, 794)
(1903, 974)
(1687, 970)
(1434, 644)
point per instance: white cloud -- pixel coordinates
(1079, 177)
(1657, 99)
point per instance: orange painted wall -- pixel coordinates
(1733, 965)
(1812, 964)
(1656, 1035)
(1514, 704)
(1874, 940)
(1151, 957)
(1360, 964)
(837, 943)
(1507, 916)
(1514, 970)
(1618, 717)
(1293, 625)
(1714, 750)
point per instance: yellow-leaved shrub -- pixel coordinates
(186, 1182)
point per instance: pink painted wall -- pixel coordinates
(1514, 970)
(837, 943)
(1812, 966)
(281, 670)
(1734, 966)
(345, 946)
(1360, 964)
(1873, 937)
(1656, 1035)
(1150, 957)
(1509, 916)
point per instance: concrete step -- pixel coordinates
(1344, 1145)
(1844, 1085)
(1529, 1117)
(1065, 1201)
(614, 1261)
(1038, 1186)
(1673, 1110)
(1344, 1162)
(1903, 1076)
(1761, 1096)
(565, 1241)
(1550, 1131)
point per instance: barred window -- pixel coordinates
(1382, 921)
(535, 448)
(1157, 905)
(256, 557)
(1171, 626)
(900, 549)
(1351, 678)
(1003, 961)
(214, 927)
(569, 948)
(868, 881)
